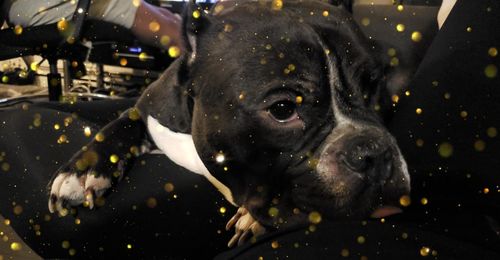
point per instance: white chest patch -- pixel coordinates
(180, 149)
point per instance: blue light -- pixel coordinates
(135, 49)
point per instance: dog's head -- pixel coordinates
(281, 104)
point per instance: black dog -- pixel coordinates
(275, 103)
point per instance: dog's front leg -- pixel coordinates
(93, 169)
(244, 225)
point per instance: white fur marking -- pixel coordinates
(404, 168)
(340, 118)
(56, 185)
(99, 184)
(180, 148)
(72, 190)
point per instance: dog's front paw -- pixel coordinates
(86, 177)
(244, 225)
(72, 189)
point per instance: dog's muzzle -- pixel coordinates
(362, 170)
(369, 156)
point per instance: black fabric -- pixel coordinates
(451, 83)
(374, 240)
(382, 34)
(187, 226)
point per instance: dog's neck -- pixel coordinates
(180, 149)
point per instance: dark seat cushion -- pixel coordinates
(398, 50)
(184, 223)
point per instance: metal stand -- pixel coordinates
(54, 81)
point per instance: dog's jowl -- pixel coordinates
(275, 105)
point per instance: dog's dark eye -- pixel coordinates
(283, 111)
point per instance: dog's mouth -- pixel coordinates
(375, 201)
(364, 174)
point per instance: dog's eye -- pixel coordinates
(283, 111)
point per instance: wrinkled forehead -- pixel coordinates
(261, 46)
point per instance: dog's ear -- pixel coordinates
(360, 68)
(169, 99)
(195, 20)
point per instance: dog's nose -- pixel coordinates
(368, 155)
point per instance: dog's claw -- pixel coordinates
(52, 201)
(244, 236)
(245, 225)
(234, 239)
(59, 205)
(89, 198)
(69, 189)
(235, 218)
